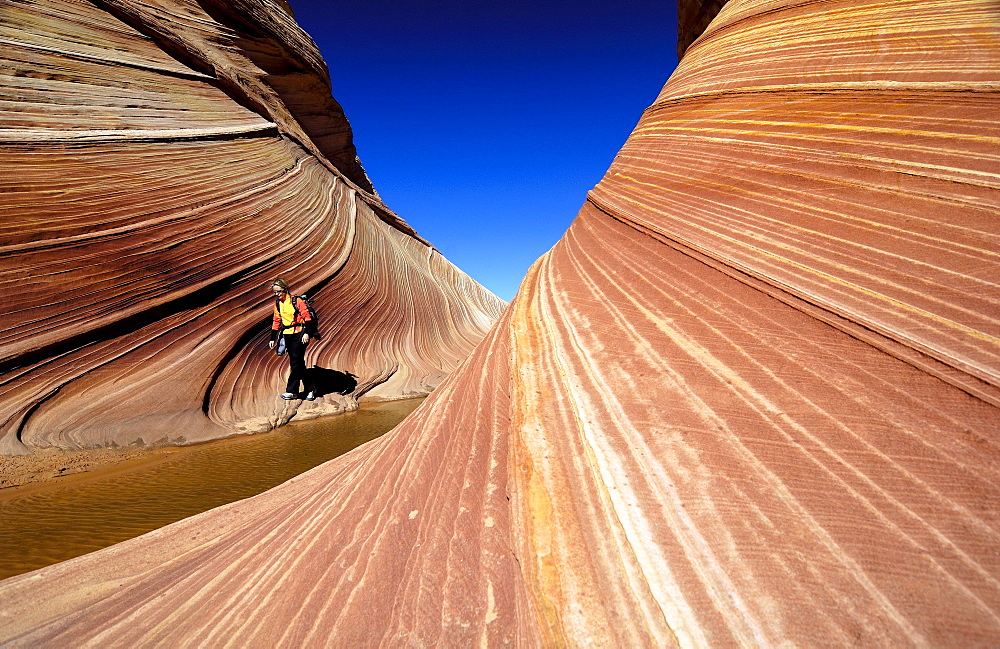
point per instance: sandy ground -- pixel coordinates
(48, 464)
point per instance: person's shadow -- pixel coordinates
(332, 381)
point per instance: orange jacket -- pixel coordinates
(301, 320)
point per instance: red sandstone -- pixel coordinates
(160, 170)
(749, 399)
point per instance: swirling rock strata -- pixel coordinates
(747, 400)
(163, 162)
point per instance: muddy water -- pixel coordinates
(65, 518)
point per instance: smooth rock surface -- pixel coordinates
(162, 163)
(749, 399)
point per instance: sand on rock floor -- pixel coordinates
(49, 464)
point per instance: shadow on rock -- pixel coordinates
(332, 381)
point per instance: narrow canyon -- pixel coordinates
(750, 398)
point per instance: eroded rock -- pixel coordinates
(749, 399)
(164, 162)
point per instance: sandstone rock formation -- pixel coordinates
(749, 399)
(162, 163)
(692, 19)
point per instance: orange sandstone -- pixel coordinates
(161, 168)
(749, 399)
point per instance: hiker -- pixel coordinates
(291, 328)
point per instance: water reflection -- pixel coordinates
(62, 521)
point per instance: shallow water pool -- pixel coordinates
(64, 518)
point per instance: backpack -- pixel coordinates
(312, 314)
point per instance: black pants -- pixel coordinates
(297, 362)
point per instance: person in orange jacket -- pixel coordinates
(291, 328)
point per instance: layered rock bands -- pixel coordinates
(749, 399)
(162, 163)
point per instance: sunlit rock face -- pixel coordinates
(749, 399)
(162, 163)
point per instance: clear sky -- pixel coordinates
(484, 123)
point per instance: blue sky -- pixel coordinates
(485, 123)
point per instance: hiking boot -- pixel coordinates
(287, 395)
(311, 396)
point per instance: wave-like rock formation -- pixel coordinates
(749, 399)
(163, 163)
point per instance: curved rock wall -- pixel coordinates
(747, 400)
(160, 169)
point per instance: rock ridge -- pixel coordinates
(746, 400)
(165, 161)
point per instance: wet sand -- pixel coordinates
(54, 464)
